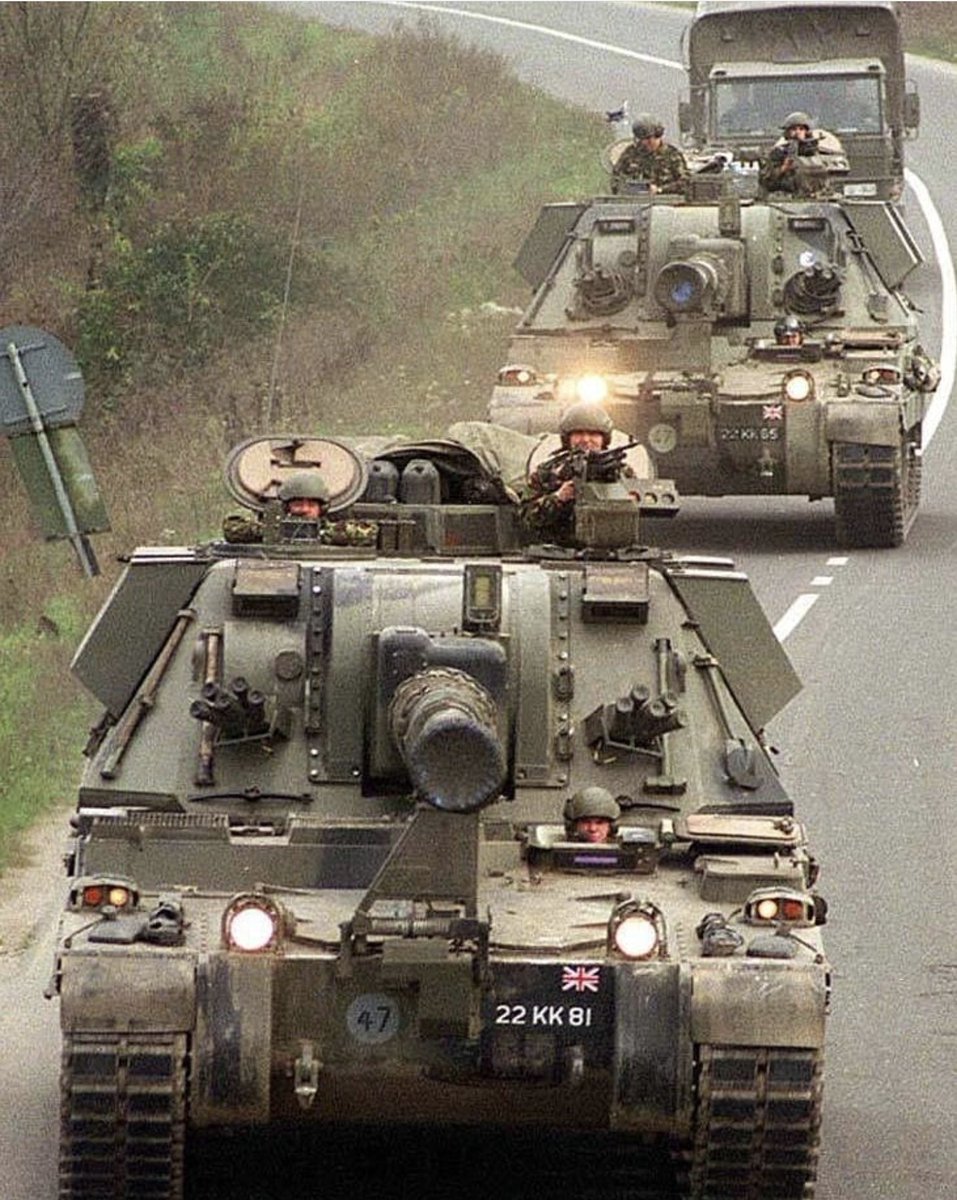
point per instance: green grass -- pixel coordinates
(41, 727)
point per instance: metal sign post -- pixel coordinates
(41, 397)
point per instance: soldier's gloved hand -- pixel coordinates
(566, 493)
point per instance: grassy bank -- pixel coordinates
(397, 177)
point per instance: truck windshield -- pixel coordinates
(840, 103)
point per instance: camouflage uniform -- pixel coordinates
(545, 518)
(665, 167)
(771, 177)
(242, 528)
(248, 527)
(348, 533)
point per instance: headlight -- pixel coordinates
(517, 375)
(881, 375)
(636, 930)
(591, 389)
(779, 906)
(101, 891)
(252, 923)
(798, 385)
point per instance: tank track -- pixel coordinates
(122, 1116)
(876, 493)
(757, 1131)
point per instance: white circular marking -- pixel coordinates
(373, 1018)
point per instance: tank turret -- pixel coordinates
(671, 305)
(435, 828)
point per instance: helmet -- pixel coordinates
(591, 802)
(306, 485)
(795, 118)
(788, 325)
(645, 125)
(583, 416)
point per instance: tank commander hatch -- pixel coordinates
(591, 815)
(650, 159)
(548, 507)
(304, 498)
(782, 170)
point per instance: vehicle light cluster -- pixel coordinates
(780, 906)
(99, 892)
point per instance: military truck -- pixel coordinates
(320, 871)
(670, 310)
(751, 64)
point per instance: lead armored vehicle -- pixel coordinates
(674, 312)
(326, 867)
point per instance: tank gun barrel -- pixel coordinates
(444, 725)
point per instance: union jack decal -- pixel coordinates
(772, 412)
(581, 979)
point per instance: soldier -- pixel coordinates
(591, 815)
(651, 159)
(789, 331)
(548, 509)
(304, 498)
(779, 172)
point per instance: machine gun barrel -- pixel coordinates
(592, 466)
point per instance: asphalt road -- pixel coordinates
(866, 748)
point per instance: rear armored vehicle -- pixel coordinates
(755, 347)
(395, 817)
(749, 64)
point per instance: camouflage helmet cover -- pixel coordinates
(645, 125)
(591, 802)
(306, 485)
(585, 417)
(794, 119)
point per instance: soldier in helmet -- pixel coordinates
(799, 140)
(548, 509)
(304, 498)
(591, 815)
(789, 331)
(650, 159)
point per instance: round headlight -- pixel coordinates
(592, 389)
(636, 937)
(119, 897)
(251, 927)
(798, 386)
(766, 909)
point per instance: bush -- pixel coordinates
(193, 286)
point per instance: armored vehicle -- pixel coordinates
(749, 64)
(326, 867)
(673, 311)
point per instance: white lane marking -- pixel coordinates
(839, 560)
(558, 34)
(822, 580)
(795, 615)
(948, 278)
(948, 305)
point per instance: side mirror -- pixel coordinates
(911, 109)
(684, 116)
